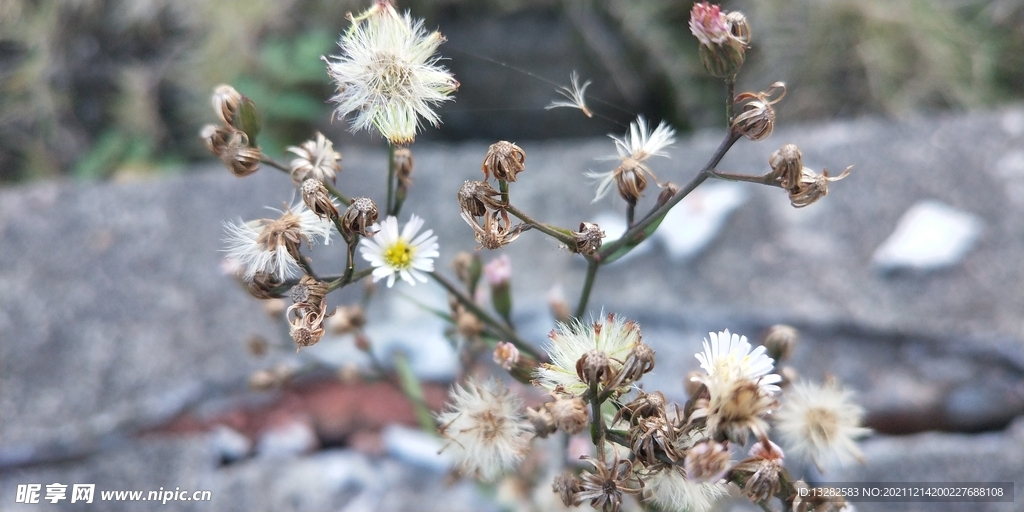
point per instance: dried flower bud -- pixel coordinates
(402, 160)
(226, 101)
(823, 499)
(362, 342)
(319, 201)
(232, 147)
(468, 269)
(668, 191)
(497, 230)
(789, 375)
(505, 160)
(756, 119)
(359, 217)
(631, 179)
(723, 38)
(309, 291)
(257, 345)
(739, 27)
(643, 406)
(787, 166)
(264, 285)
(780, 340)
(707, 462)
(315, 158)
(559, 306)
(588, 238)
(567, 486)
(467, 324)
(569, 414)
(639, 362)
(506, 355)
(346, 319)
(594, 367)
(542, 422)
(812, 186)
(476, 197)
(305, 321)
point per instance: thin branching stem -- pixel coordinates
(413, 389)
(588, 287)
(501, 330)
(631, 235)
(730, 99)
(560, 234)
(391, 206)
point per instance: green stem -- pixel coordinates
(562, 235)
(412, 389)
(659, 212)
(630, 213)
(501, 330)
(588, 286)
(391, 181)
(503, 188)
(597, 429)
(765, 179)
(343, 280)
(730, 99)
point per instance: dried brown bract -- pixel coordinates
(360, 217)
(305, 323)
(232, 147)
(402, 160)
(318, 200)
(609, 481)
(812, 186)
(226, 101)
(756, 118)
(787, 165)
(505, 160)
(588, 239)
(497, 230)
(477, 197)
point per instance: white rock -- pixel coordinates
(230, 443)
(416, 447)
(930, 235)
(287, 440)
(696, 220)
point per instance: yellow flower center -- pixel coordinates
(399, 255)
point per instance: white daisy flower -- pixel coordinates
(614, 337)
(486, 429)
(271, 246)
(387, 74)
(405, 253)
(671, 490)
(638, 145)
(728, 357)
(819, 422)
(741, 391)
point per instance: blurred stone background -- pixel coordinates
(124, 355)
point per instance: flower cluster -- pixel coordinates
(726, 435)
